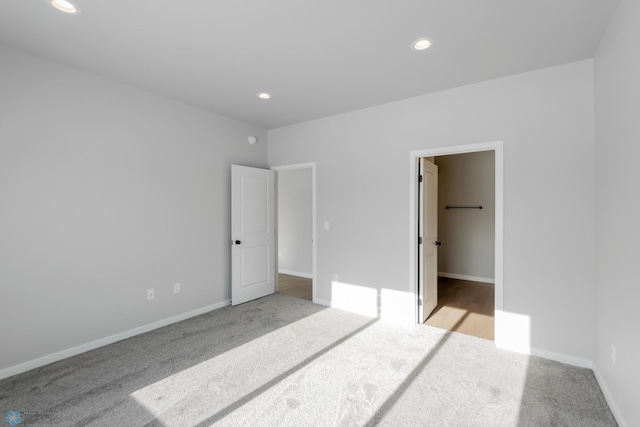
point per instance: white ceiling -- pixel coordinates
(316, 57)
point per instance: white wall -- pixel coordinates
(546, 121)
(467, 235)
(294, 222)
(618, 210)
(106, 191)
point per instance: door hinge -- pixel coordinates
(420, 178)
(419, 302)
(419, 240)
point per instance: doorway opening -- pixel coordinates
(296, 231)
(466, 223)
(467, 300)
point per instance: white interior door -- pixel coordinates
(252, 233)
(428, 239)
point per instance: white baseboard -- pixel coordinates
(322, 302)
(296, 273)
(608, 396)
(465, 277)
(45, 360)
(584, 363)
(563, 358)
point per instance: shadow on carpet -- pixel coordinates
(283, 361)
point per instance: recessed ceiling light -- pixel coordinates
(421, 44)
(264, 95)
(65, 6)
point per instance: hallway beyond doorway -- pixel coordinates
(295, 286)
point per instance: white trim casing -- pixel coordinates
(465, 277)
(324, 302)
(560, 357)
(608, 396)
(82, 348)
(498, 148)
(296, 273)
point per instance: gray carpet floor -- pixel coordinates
(282, 361)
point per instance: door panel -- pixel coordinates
(255, 205)
(428, 233)
(255, 266)
(252, 233)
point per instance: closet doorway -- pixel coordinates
(469, 239)
(466, 254)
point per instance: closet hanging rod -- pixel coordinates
(463, 207)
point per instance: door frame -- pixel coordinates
(300, 166)
(498, 148)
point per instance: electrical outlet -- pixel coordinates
(151, 294)
(614, 350)
(176, 288)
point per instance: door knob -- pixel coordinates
(438, 243)
(238, 242)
